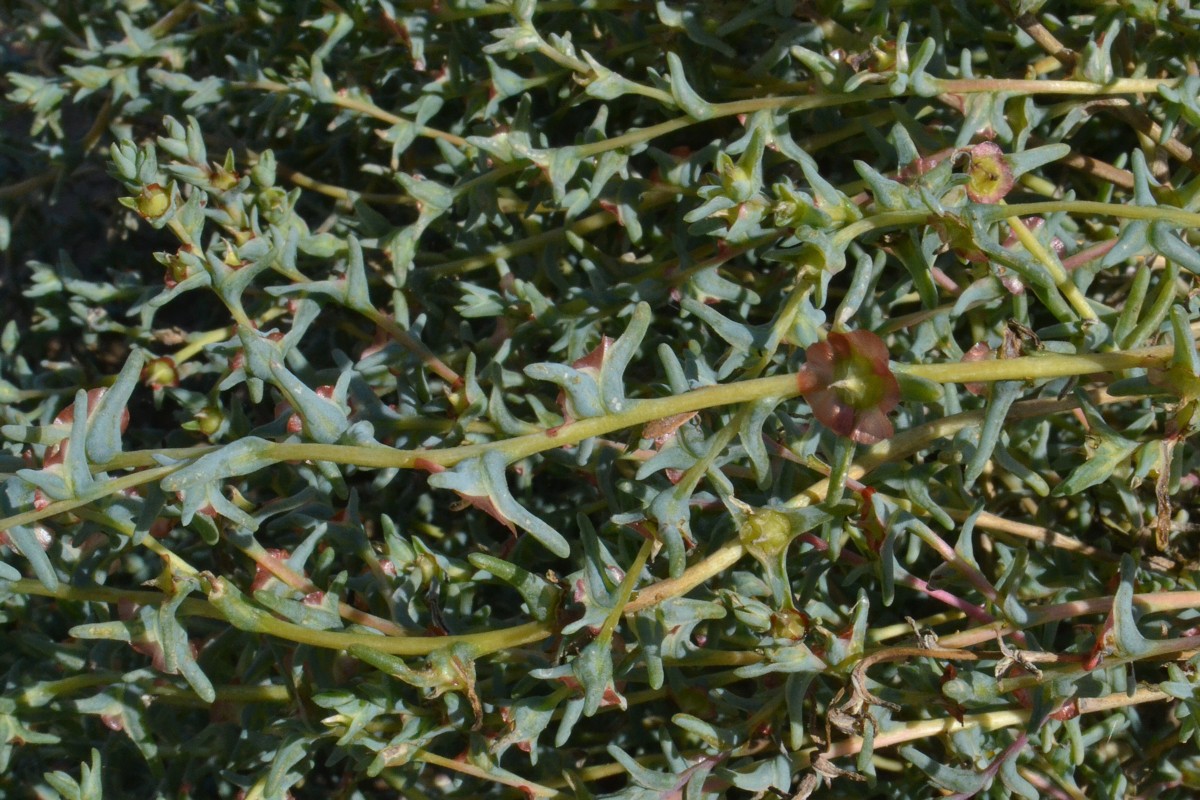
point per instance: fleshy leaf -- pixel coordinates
(105, 423)
(1129, 640)
(1003, 395)
(1106, 451)
(484, 477)
(685, 96)
(963, 781)
(541, 596)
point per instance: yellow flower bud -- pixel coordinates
(154, 201)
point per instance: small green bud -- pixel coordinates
(160, 373)
(272, 204)
(154, 201)
(737, 183)
(766, 533)
(178, 268)
(223, 180)
(209, 420)
(789, 624)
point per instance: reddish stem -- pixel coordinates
(911, 581)
(1088, 254)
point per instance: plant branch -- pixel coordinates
(989, 721)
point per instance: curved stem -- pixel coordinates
(256, 620)
(358, 104)
(21, 188)
(623, 592)
(810, 100)
(481, 644)
(722, 559)
(1041, 367)
(529, 788)
(1057, 273)
(988, 721)
(640, 412)
(96, 492)
(279, 568)
(1148, 603)
(1186, 219)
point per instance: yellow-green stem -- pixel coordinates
(989, 721)
(1050, 261)
(623, 592)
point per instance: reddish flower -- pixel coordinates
(850, 387)
(989, 171)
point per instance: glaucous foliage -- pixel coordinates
(604, 398)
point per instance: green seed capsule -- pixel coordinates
(154, 201)
(765, 533)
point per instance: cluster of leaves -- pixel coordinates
(589, 398)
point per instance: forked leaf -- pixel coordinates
(484, 477)
(672, 512)
(540, 595)
(593, 668)
(643, 776)
(793, 659)
(1106, 451)
(1128, 638)
(842, 648)
(25, 540)
(963, 781)
(1015, 782)
(177, 648)
(1003, 395)
(1008, 588)
(527, 718)
(324, 420)
(242, 457)
(105, 420)
(283, 774)
(751, 436)
(1029, 160)
(685, 96)
(619, 356)
(582, 393)
(606, 85)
